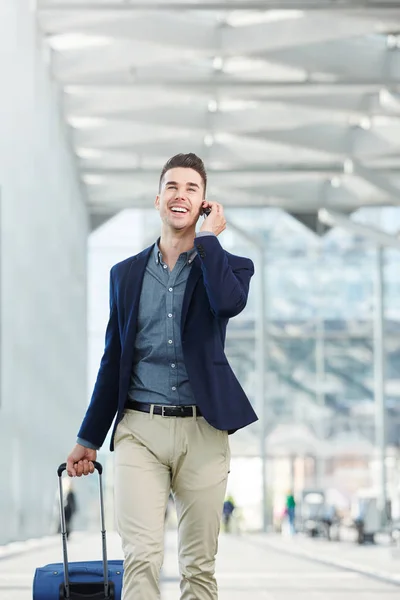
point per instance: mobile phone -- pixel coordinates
(205, 212)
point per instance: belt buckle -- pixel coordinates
(164, 407)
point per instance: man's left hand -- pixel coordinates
(215, 222)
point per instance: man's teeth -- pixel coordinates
(177, 209)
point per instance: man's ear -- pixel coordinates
(157, 202)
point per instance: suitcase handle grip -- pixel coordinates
(63, 467)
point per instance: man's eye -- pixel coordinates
(192, 189)
(172, 187)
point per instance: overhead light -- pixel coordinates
(91, 179)
(77, 41)
(218, 63)
(385, 97)
(335, 182)
(212, 106)
(348, 166)
(393, 41)
(88, 153)
(85, 122)
(208, 140)
(365, 123)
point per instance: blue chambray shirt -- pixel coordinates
(158, 372)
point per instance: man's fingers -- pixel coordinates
(70, 468)
(79, 468)
(213, 205)
(84, 467)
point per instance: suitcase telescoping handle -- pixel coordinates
(99, 469)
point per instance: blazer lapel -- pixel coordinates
(132, 295)
(194, 276)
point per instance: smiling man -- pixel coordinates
(165, 377)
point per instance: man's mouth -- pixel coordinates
(179, 209)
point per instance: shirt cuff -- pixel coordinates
(204, 233)
(87, 444)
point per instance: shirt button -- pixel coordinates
(170, 289)
(173, 365)
(169, 341)
(170, 315)
(173, 388)
(164, 266)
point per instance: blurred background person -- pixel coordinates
(228, 510)
(291, 512)
(70, 506)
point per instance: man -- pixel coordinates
(227, 512)
(165, 377)
(70, 507)
(291, 511)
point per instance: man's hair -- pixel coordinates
(187, 161)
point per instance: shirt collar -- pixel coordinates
(190, 255)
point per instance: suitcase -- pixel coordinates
(94, 580)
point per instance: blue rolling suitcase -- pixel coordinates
(94, 580)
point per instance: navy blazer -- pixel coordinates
(216, 290)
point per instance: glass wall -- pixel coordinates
(320, 321)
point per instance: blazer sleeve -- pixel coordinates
(227, 286)
(104, 402)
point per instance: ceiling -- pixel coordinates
(291, 104)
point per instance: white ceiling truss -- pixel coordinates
(291, 104)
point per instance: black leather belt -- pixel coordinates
(163, 410)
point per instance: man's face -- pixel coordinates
(180, 198)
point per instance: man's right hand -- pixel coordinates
(80, 461)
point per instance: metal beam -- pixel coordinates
(250, 5)
(377, 179)
(374, 235)
(229, 170)
(308, 167)
(211, 83)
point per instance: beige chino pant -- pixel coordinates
(154, 454)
